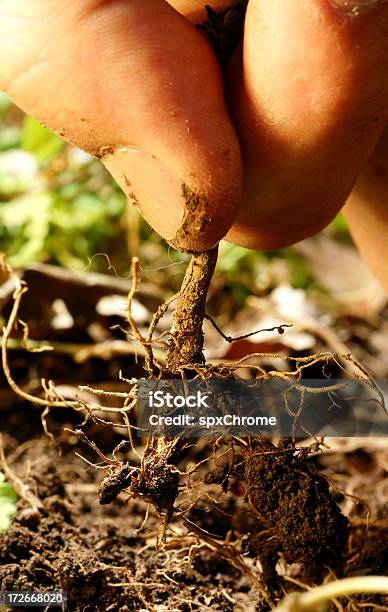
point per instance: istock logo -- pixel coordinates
(160, 399)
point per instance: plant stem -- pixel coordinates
(312, 600)
(186, 344)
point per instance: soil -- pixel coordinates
(75, 544)
(81, 547)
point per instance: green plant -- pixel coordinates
(57, 204)
(8, 499)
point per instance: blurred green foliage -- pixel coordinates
(339, 225)
(57, 204)
(8, 498)
(39, 141)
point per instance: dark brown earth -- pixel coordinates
(87, 549)
(294, 502)
(83, 548)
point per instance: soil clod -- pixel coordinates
(294, 503)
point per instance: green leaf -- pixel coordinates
(8, 498)
(27, 220)
(40, 141)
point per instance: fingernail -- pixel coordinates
(356, 7)
(175, 211)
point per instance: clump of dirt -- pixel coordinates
(113, 484)
(159, 484)
(294, 503)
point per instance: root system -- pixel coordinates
(292, 514)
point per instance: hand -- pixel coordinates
(135, 83)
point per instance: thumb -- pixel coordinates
(310, 103)
(135, 84)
